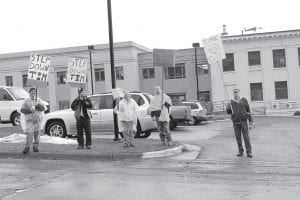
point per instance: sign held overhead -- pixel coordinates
(77, 72)
(213, 49)
(38, 72)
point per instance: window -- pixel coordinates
(119, 73)
(106, 102)
(61, 78)
(176, 72)
(148, 73)
(228, 63)
(138, 99)
(299, 56)
(24, 78)
(9, 80)
(177, 98)
(4, 96)
(99, 74)
(254, 58)
(281, 91)
(63, 104)
(279, 58)
(256, 91)
(95, 102)
(204, 96)
(192, 105)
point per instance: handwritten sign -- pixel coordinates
(77, 72)
(213, 48)
(38, 72)
(117, 93)
(164, 58)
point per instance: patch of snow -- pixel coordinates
(20, 138)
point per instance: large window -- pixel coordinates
(256, 91)
(281, 90)
(9, 80)
(61, 78)
(148, 73)
(176, 72)
(24, 79)
(119, 73)
(228, 63)
(177, 98)
(279, 58)
(254, 58)
(99, 74)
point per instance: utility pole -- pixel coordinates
(195, 46)
(112, 65)
(90, 48)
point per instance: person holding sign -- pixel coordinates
(240, 113)
(160, 111)
(127, 113)
(81, 105)
(31, 118)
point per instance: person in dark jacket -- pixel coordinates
(240, 113)
(81, 105)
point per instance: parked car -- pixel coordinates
(62, 123)
(11, 99)
(199, 112)
(178, 113)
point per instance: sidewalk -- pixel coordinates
(106, 149)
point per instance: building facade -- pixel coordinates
(13, 68)
(179, 82)
(265, 66)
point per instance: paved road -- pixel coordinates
(273, 173)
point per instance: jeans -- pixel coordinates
(84, 124)
(30, 136)
(241, 128)
(164, 130)
(128, 132)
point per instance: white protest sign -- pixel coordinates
(117, 93)
(39, 66)
(77, 71)
(213, 48)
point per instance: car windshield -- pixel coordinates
(147, 96)
(18, 93)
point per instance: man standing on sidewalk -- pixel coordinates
(240, 113)
(81, 105)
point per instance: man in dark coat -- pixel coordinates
(81, 105)
(240, 113)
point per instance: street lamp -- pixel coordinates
(195, 46)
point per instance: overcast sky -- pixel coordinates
(28, 25)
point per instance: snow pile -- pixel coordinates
(20, 138)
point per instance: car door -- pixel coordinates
(6, 103)
(106, 113)
(96, 116)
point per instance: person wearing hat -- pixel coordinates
(80, 106)
(239, 110)
(32, 113)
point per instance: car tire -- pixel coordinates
(193, 121)
(140, 134)
(56, 129)
(15, 119)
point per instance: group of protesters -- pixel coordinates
(33, 111)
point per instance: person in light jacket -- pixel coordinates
(160, 105)
(32, 113)
(239, 110)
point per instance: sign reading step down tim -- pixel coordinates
(77, 71)
(38, 72)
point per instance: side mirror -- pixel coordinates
(7, 97)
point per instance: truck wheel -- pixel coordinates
(193, 121)
(15, 119)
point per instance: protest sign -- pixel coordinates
(38, 72)
(164, 58)
(213, 48)
(77, 72)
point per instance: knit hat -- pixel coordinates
(80, 90)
